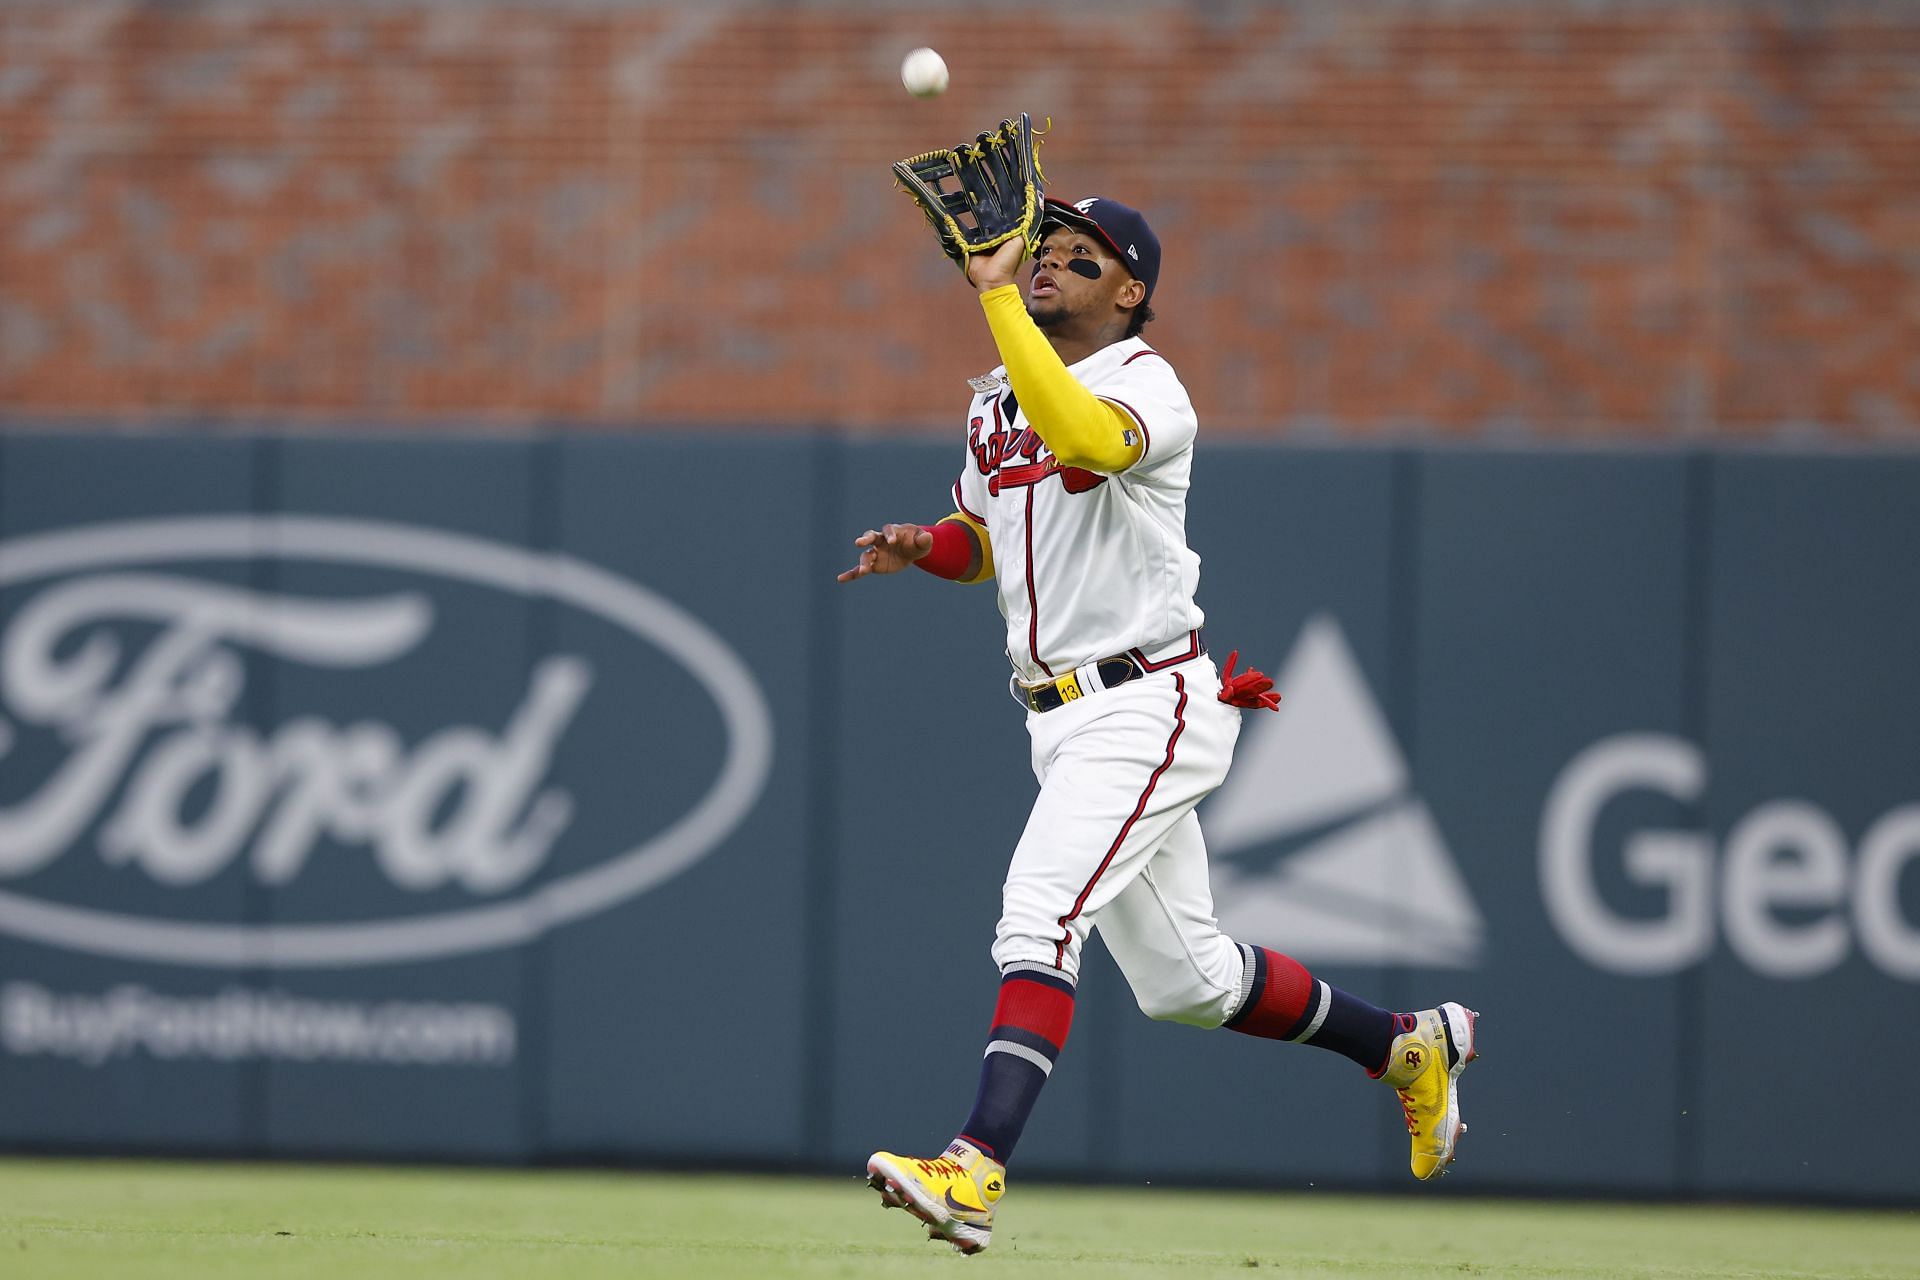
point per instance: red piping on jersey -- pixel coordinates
(1193, 651)
(1148, 351)
(1033, 603)
(1140, 807)
(960, 503)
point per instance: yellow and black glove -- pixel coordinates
(997, 193)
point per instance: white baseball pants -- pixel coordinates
(1113, 843)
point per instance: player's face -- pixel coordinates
(1061, 292)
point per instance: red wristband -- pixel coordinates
(952, 550)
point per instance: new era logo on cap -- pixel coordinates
(1124, 229)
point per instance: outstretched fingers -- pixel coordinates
(868, 556)
(888, 550)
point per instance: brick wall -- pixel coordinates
(1527, 220)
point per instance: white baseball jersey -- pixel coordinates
(1087, 565)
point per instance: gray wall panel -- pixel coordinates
(1811, 742)
(1288, 541)
(1552, 615)
(452, 692)
(680, 1019)
(139, 1087)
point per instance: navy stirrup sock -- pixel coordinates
(1285, 1002)
(1030, 1024)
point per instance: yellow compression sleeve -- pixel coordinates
(979, 532)
(1081, 429)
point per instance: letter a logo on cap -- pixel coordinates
(1084, 205)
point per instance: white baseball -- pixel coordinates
(924, 72)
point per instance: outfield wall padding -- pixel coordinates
(545, 799)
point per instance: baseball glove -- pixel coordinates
(997, 192)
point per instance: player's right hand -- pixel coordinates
(888, 549)
(999, 267)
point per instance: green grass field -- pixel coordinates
(99, 1219)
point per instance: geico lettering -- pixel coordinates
(1783, 854)
(359, 784)
(1888, 848)
(1786, 853)
(1678, 862)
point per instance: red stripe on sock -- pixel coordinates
(1277, 1008)
(1039, 1007)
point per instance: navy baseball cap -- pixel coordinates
(1124, 229)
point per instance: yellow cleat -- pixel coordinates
(1424, 1069)
(954, 1194)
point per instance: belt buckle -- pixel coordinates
(1067, 688)
(1030, 694)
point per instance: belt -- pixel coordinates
(1057, 693)
(1094, 677)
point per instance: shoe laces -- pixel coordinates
(942, 1168)
(1407, 1105)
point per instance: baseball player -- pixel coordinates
(1072, 498)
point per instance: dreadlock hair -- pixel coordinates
(1142, 317)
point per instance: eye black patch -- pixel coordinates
(1084, 267)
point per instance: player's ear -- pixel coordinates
(1131, 294)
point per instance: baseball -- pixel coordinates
(924, 72)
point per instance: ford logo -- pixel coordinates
(136, 673)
